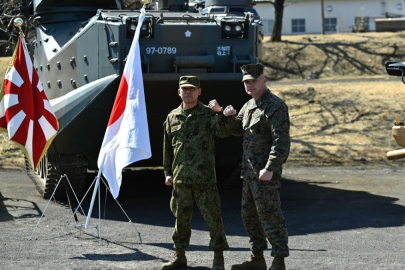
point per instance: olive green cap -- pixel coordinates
(189, 81)
(252, 71)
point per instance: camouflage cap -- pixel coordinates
(189, 81)
(252, 71)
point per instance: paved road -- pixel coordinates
(338, 218)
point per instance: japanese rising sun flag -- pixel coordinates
(126, 139)
(25, 112)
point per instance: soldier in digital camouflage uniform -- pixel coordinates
(264, 124)
(189, 165)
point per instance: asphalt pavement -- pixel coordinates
(337, 218)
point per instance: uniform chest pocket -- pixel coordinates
(197, 125)
(175, 126)
(252, 119)
(255, 120)
(258, 125)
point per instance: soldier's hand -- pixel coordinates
(229, 110)
(265, 175)
(169, 181)
(213, 104)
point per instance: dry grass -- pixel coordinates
(337, 55)
(342, 123)
(4, 61)
(11, 157)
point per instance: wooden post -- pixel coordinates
(323, 17)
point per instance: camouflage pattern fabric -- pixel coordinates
(189, 157)
(252, 71)
(190, 81)
(189, 150)
(208, 202)
(262, 216)
(265, 127)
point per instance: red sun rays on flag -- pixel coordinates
(25, 110)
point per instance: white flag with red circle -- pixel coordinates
(126, 139)
(25, 112)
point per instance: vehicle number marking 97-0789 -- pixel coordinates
(161, 50)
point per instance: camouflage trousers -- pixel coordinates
(208, 202)
(262, 216)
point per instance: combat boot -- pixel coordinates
(255, 262)
(218, 263)
(278, 264)
(178, 261)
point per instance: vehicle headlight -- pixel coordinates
(146, 28)
(233, 28)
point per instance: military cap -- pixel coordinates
(252, 71)
(189, 81)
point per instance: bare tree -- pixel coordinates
(10, 10)
(278, 19)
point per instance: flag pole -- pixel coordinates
(96, 187)
(65, 184)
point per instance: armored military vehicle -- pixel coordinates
(398, 130)
(80, 52)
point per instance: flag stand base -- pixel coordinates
(86, 226)
(96, 229)
(67, 224)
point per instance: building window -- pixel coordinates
(298, 25)
(330, 24)
(268, 27)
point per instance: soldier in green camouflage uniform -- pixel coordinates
(264, 124)
(189, 165)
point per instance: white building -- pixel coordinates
(305, 16)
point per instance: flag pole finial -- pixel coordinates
(145, 2)
(18, 23)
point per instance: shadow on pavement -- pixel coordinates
(311, 208)
(121, 257)
(308, 208)
(137, 255)
(15, 205)
(4, 214)
(194, 247)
